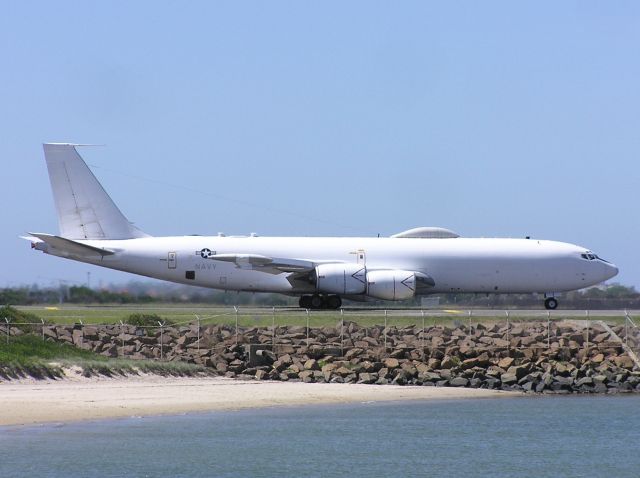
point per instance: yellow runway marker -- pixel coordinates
(452, 311)
(51, 308)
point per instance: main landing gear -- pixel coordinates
(551, 303)
(317, 301)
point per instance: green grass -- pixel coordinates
(28, 348)
(111, 314)
(263, 317)
(30, 356)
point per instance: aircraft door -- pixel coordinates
(172, 260)
(361, 257)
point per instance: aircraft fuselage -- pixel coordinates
(321, 270)
(456, 264)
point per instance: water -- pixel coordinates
(540, 436)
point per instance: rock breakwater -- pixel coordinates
(530, 356)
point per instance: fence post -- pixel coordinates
(629, 320)
(626, 327)
(8, 320)
(42, 320)
(342, 332)
(422, 313)
(161, 324)
(508, 329)
(273, 324)
(307, 327)
(385, 330)
(82, 336)
(122, 337)
(588, 327)
(198, 319)
(470, 313)
(548, 329)
(236, 310)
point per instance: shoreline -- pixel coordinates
(29, 402)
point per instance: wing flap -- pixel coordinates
(257, 261)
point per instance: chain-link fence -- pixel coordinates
(343, 330)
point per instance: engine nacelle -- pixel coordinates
(391, 285)
(341, 278)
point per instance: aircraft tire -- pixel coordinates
(305, 302)
(316, 302)
(551, 303)
(334, 302)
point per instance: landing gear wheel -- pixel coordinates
(550, 303)
(334, 302)
(305, 302)
(316, 301)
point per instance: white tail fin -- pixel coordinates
(85, 210)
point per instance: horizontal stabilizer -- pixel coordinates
(69, 247)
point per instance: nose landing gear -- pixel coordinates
(551, 303)
(317, 301)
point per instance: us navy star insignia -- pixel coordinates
(205, 253)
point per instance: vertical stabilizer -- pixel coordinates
(85, 210)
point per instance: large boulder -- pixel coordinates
(306, 376)
(449, 362)
(518, 370)
(459, 382)
(501, 343)
(509, 378)
(366, 377)
(624, 361)
(506, 362)
(391, 363)
(429, 376)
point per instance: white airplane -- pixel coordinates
(320, 270)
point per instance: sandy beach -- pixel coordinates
(31, 401)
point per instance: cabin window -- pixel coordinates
(191, 275)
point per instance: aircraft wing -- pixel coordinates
(67, 246)
(271, 265)
(299, 268)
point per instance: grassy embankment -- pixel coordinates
(29, 356)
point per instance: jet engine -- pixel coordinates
(391, 284)
(345, 279)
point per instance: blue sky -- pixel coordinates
(332, 118)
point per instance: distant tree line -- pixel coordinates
(613, 296)
(136, 295)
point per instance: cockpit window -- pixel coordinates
(590, 256)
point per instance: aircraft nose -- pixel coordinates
(609, 270)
